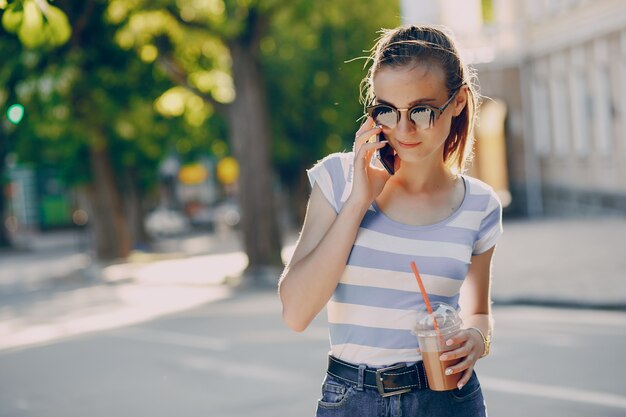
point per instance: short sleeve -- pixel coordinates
(490, 226)
(332, 174)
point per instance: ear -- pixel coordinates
(460, 101)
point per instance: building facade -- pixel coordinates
(559, 69)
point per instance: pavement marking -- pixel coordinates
(173, 338)
(553, 392)
(558, 316)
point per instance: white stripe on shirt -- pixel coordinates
(384, 242)
(376, 357)
(371, 316)
(403, 281)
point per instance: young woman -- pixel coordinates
(366, 222)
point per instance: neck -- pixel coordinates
(422, 177)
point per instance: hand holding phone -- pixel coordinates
(386, 155)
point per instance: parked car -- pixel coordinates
(164, 222)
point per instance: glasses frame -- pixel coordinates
(436, 111)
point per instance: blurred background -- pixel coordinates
(153, 160)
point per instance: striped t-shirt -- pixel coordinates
(374, 306)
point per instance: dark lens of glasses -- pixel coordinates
(384, 115)
(423, 117)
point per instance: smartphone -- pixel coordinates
(386, 155)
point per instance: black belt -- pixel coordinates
(393, 380)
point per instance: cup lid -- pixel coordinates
(447, 318)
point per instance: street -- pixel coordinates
(229, 355)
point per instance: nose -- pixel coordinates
(405, 125)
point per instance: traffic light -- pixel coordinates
(15, 113)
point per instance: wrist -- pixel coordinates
(485, 339)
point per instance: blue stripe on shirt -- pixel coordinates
(489, 222)
(385, 297)
(449, 234)
(429, 265)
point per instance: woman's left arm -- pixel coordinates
(475, 303)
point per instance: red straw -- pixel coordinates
(426, 300)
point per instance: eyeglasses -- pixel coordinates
(422, 115)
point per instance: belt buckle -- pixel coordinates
(379, 381)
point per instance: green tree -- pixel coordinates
(211, 48)
(314, 57)
(273, 71)
(90, 112)
(36, 24)
(223, 52)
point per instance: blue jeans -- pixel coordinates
(342, 398)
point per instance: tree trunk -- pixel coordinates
(135, 210)
(111, 236)
(250, 137)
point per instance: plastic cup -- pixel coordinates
(431, 338)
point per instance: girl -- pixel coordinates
(366, 222)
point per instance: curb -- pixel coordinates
(560, 303)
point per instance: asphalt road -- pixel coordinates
(234, 357)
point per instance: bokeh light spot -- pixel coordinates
(148, 53)
(15, 113)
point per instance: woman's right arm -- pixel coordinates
(319, 259)
(321, 254)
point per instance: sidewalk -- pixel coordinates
(562, 262)
(54, 291)
(52, 259)
(568, 262)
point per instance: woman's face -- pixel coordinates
(406, 87)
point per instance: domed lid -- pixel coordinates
(447, 318)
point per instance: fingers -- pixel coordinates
(365, 146)
(466, 363)
(365, 134)
(468, 352)
(465, 378)
(466, 366)
(367, 125)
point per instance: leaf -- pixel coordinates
(31, 31)
(12, 19)
(59, 26)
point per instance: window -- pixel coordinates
(605, 112)
(580, 107)
(560, 119)
(541, 117)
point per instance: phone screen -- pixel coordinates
(386, 155)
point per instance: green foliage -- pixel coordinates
(36, 23)
(312, 91)
(311, 56)
(152, 76)
(90, 94)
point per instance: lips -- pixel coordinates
(407, 145)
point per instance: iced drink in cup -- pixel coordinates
(432, 331)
